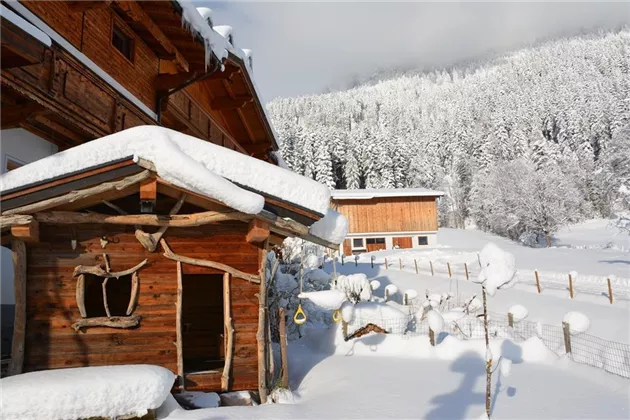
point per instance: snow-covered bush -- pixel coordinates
(356, 287)
(498, 269)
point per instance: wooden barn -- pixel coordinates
(388, 218)
(137, 260)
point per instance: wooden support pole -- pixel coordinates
(19, 322)
(479, 260)
(416, 264)
(431, 264)
(537, 281)
(113, 322)
(356, 261)
(344, 329)
(570, 285)
(284, 358)
(105, 304)
(400, 264)
(372, 261)
(610, 294)
(567, 336)
(510, 319)
(178, 327)
(80, 295)
(466, 269)
(28, 233)
(385, 263)
(260, 335)
(229, 333)
(450, 274)
(431, 337)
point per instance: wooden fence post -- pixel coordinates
(479, 260)
(431, 263)
(510, 319)
(405, 299)
(431, 337)
(610, 295)
(283, 349)
(537, 281)
(416, 263)
(400, 264)
(342, 259)
(372, 261)
(448, 264)
(570, 285)
(386, 295)
(356, 261)
(385, 263)
(567, 336)
(344, 329)
(466, 268)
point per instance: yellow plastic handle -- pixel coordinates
(337, 315)
(300, 317)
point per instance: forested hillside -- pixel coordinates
(521, 145)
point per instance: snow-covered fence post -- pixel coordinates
(284, 360)
(431, 264)
(431, 337)
(567, 336)
(372, 260)
(510, 319)
(537, 281)
(385, 263)
(610, 294)
(342, 259)
(450, 274)
(400, 264)
(356, 260)
(416, 264)
(466, 269)
(571, 285)
(479, 260)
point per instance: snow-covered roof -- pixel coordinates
(368, 193)
(25, 26)
(333, 227)
(219, 173)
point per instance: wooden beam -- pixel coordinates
(168, 253)
(12, 116)
(97, 270)
(113, 322)
(166, 82)
(82, 6)
(148, 195)
(230, 103)
(260, 334)
(61, 129)
(79, 194)
(178, 326)
(258, 148)
(229, 333)
(28, 233)
(227, 74)
(136, 14)
(257, 231)
(19, 322)
(275, 239)
(151, 240)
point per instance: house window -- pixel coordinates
(116, 290)
(12, 164)
(423, 240)
(123, 42)
(373, 241)
(357, 243)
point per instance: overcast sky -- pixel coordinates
(302, 48)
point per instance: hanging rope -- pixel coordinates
(300, 316)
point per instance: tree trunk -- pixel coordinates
(548, 239)
(488, 362)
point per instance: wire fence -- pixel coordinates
(582, 348)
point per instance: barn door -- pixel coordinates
(375, 244)
(402, 242)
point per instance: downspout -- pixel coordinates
(184, 85)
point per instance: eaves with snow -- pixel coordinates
(239, 181)
(369, 193)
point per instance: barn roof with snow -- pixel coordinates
(367, 193)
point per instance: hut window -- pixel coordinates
(123, 41)
(372, 241)
(357, 243)
(12, 164)
(118, 292)
(423, 240)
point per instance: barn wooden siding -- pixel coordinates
(52, 343)
(390, 214)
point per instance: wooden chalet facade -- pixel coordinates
(99, 283)
(381, 219)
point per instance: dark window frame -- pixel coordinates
(120, 30)
(423, 240)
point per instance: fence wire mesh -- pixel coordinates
(586, 349)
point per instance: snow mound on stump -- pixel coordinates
(347, 311)
(519, 312)
(326, 299)
(385, 316)
(578, 322)
(356, 287)
(333, 227)
(436, 322)
(102, 391)
(498, 269)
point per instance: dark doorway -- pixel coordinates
(202, 322)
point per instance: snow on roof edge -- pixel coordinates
(333, 227)
(25, 26)
(363, 194)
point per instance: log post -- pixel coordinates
(372, 261)
(260, 335)
(431, 337)
(178, 327)
(479, 260)
(510, 319)
(342, 259)
(283, 349)
(610, 294)
(416, 264)
(229, 333)
(19, 322)
(385, 263)
(537, 281)
(105, 304)
(344, 329)
(567, 336)
(400, 264)
(431, 264)
(466, 269)
(450, 274)
(570, 285)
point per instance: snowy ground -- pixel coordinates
(389, 376)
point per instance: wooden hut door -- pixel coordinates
(402, 242)
(375, 244)
(202, 322)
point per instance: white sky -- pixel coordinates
(302, 48)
